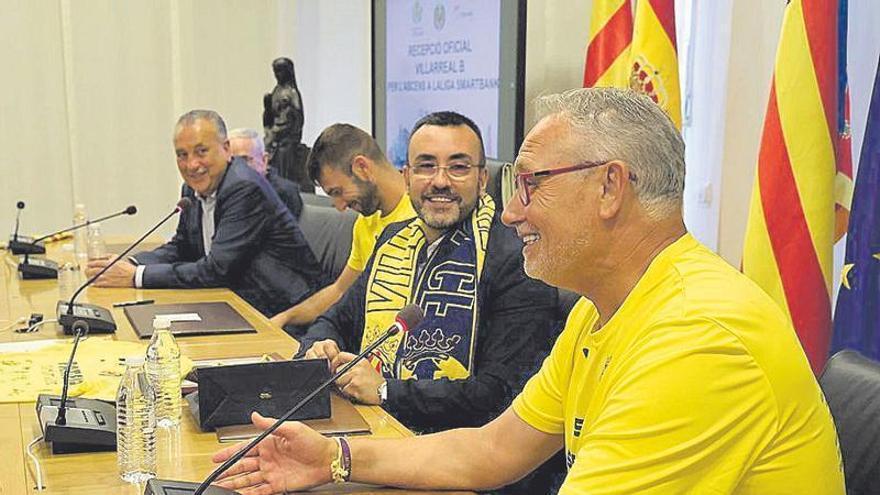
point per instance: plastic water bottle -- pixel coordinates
(97, 246)
(80, 236)
(135, 424)
(163, 368)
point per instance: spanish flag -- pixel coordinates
(791, 225)
(639, 54)
(654, 56)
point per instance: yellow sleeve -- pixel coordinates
(677, 418)
(540, 403)
(361, 245)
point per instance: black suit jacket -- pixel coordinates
(288, 191)
(258, 250)
(517, 326)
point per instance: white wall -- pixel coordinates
(556, 44)
(333, 59)
(91, 90)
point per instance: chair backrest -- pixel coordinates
(494, 187)
(851, 383)
(328, 233)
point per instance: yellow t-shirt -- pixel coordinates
(366, 231)
(697, 384)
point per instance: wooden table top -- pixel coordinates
(184, 454)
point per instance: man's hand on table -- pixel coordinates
(294, 457)
(119, 275)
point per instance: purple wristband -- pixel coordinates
(346, 457)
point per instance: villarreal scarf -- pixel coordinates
(443, 283)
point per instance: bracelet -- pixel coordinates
(340, 467)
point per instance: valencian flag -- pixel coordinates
(857, 317)
(611, 30)
(790, 231)
(638, 53)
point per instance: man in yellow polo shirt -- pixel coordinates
(675, 373)
(351, 168)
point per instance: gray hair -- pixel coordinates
(617, 124)
(247, 133)
(190, 118)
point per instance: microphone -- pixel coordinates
(19, 206)
(39, 268)
(99, 319)
(32, 247)
(93, 424)
(408, 317)
(130, 210)
(24, 246)
(80, 329)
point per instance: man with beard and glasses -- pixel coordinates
(349, 166)
(486, 326)
(674, 374)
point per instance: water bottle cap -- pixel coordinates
(134, 360)
(161, 321)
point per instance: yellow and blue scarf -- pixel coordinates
(442, 345)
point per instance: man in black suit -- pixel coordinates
(237, 234)
(247, 144)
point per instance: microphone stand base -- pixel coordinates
(90, 427)
(25, 247)
(168, 487)
(99, 319)
(36, 269)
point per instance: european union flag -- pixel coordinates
(857, 317)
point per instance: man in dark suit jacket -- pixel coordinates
(247, 143)
(237, 234)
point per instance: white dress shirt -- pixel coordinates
(208, 204)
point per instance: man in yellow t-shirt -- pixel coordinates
(696, 384)
(675, 373)
(351, 168)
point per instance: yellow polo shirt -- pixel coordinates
(697, 384)
(366, 231)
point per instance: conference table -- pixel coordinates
(183, 454)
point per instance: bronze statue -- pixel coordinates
(283, 123)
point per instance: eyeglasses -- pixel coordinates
(456, 171)
(525, 182)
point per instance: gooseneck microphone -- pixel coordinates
(33, 246)
(25, 245)
(19, 206)
(408, 317)
(131, 210)
(99, 319)
(80, 329)
(92, 427)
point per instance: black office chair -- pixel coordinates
(328, 232)
(851, 383)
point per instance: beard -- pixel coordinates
(368, 197)
(449, 214)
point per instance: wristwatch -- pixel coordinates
(383, 392)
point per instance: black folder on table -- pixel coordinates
(216, 318)
(228, 394)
